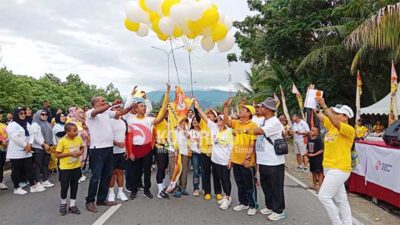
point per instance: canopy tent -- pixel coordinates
(381, 107)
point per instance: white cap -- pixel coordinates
(344, 109)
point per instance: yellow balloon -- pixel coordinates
(219, 32)
(153, 15)
(132, 26)
(214, 6)
(177, 32)
(195, 27)
(210, 17)
(155, 26)
(191, 35)
(162, 37)
(166, 6)
(142, 5)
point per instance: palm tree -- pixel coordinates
(379, 32)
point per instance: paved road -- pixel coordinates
(302, 208)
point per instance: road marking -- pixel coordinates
(303, 185)
(106, 215)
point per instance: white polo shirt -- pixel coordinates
(100, 129)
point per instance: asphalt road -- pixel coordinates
(302, 208)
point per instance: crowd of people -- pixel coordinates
(118, 143)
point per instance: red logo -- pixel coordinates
(141, 132)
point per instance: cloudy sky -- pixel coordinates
(88, 38)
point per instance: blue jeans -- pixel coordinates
(196, 170)
(101, 163)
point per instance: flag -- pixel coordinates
(358, 95)
(299, 98)
(177, 110)
(285, 110)
(393, 98)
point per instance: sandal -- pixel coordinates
(63, 209)
(74, 210)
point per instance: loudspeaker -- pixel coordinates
(392, 134)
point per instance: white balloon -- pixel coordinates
(226, 44)
(195, 11)
(154, 5)
(178, 13)
(135, 13)
(228, 22)
(221, 17)
(143, 31)
(205, 4)
(166, 25)
(207, 43)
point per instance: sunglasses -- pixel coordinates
(43, 114)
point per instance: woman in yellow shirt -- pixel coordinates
(361, 130)
(337, 161)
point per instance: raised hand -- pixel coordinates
(228, 102)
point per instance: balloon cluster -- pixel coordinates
(173, 19)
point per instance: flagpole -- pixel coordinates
(358, 95)
(285, 110)
(173, 58)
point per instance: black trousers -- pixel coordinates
(272, 179)
(244, 178)
(69, 179)
(41, 161)
(162, 164)
(142, 166)
(21, 169)
(2, 163)
(206, 165)
(221, 177)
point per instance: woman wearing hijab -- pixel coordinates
(43, 139)
(20, 152)
(58, 132)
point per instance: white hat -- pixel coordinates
(344, 109)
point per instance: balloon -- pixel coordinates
(156, 27)
(191, 35)
(142, 5)
(221, 17)
(219, 32)
(166, 25)
(162, 37)
(153, 16)
(132, 26)
(195, 27)
(195, 11)
(209, 17)
(154, 5)
(178, 13)
(166, 6)
(143, 31)
(205, 4)
(135, 13)
(228, 23)
(177, 32)
(226, 44)
(207, 43)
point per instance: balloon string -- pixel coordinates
(191, 73)
(173, 58)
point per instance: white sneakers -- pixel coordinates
(20, 191)
(225, 203)
(266, 211)
(121, 196)
(47, 184)
(111, 196)
(37, 188)
(82, 178)
(252, 212)
(3, 186)
(276, 216)
(240, 207)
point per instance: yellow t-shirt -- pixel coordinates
(161, 133)
(361, 131)
(242, 142)
(205, 139)
(66, 145)
(3, 136)
(337, 152)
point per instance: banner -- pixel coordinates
(285, 110)
(358, 95)
(299, 98)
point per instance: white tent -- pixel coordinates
(381, 107)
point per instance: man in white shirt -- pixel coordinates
(271, 165)
(300, 131)
(258, 118)
(98, 121)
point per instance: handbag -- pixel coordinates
(280, 145)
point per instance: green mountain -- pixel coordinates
(207, 98)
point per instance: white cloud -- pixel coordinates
(88, 38)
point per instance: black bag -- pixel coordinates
(280, 145)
